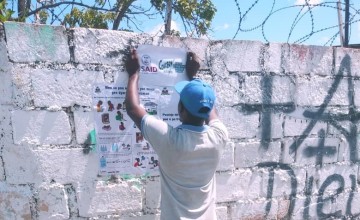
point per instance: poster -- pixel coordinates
(120, 146)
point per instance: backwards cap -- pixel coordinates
(197, 96)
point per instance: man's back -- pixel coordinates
(188, 158)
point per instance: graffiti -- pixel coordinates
(321, 150)
(272, 166)
(321, 198)
(320, 116)
(318, 152)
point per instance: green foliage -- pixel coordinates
(200, 14)
(175, 33)
(158, 4)
(5, 14)
(196, 14)
(89, 18)
(43, 15)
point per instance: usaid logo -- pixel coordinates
(146, 67)
(146, 60)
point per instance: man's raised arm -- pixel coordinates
(133, 108)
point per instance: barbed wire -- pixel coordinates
(305, 10)
(248, 18)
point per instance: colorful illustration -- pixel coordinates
(110, 106)
(139, 137)
(137, 163)
(103, 162)
(151, 108)
(165, 91)
(99, 107)
(119, 116)
(153, 162)
(122, 126)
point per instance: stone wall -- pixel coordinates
(292, 112)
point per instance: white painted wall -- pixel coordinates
(291, 111)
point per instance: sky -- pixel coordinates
(279, 26)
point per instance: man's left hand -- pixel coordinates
(132, 64)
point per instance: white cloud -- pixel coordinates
(311, 2)
(222, 27)
(159, 29)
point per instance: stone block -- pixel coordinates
(22, 87)
(322, 91)
(52, 203)
(244, 184)
(216, 56)
(143, 217)
(302, 122)
(287, 181)
(356, 92)
(250, 154)
(41, 127)
(38, 43)
(330, 178)
(97, 198)
(347, 62)
(234, 58)
(227, 158)
(304, 207)
(317, 151)
(272, 55)
(4, 59)
(308, 60)
(271, 125)
(103, 46)
(254, 209)
(222, 213)
(268, 89)
(152, 194)
(239, 124)
(24, 164)
(84, 125)
(199, 47)
(15, 202)
(346, 203)
(228, 90)
(5, 74)
(21, 165)
(63, 88)
(5, 87)
(67, 165)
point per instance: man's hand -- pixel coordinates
(132, 64)
(192, 65)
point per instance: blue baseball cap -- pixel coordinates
(197, 96)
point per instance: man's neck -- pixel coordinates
(193, 124)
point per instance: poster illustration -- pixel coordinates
(120, 145)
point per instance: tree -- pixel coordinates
(196, 15)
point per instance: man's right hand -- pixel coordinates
(132, 64)
(192, 65)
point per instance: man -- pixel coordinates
(189, 153)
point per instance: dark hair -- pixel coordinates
(193, 118)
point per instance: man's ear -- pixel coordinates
(181, 107)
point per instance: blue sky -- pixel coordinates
(278, 25)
